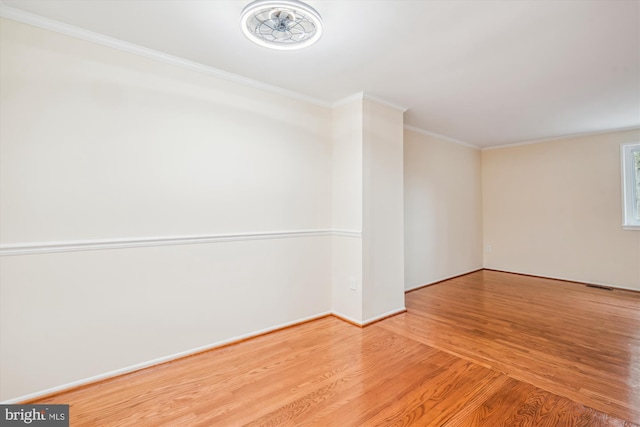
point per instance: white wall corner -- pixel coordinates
(361, 96)
(388, 104)
(358, 96)
(440, 136)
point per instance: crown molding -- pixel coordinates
(111, 42)
(358, 96)
(101, 39)
(362, 96)
(439, 136)
(388, 104)
(561, 137)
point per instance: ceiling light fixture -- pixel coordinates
(281, 24)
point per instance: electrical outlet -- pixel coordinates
(488, 248)
(353, 285)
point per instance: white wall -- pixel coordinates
(554, 209)
(443, 209)
(383, 218)
(347, 209)
(98, 143)
(367, 197)
(101, 144)
(70, 316)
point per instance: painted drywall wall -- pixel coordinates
(383, 211)
(368, 271)
(347, 209)
(442, 209)
(97, 142)
(554, 209)
(347, 166)
(101, 144)
(72, 316)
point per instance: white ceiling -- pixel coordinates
(482, 72)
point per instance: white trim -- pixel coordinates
(628, 176)
(179, 355)
(160, 360)
(346, 233)
(361, 96)
(439, 136)
(91, 245)
(383, 315)
(567, 136)
(358, 96)
(564, 279)
(344, 317)
(79, 33)
(371, 319)
(443, 279)
(387, 104)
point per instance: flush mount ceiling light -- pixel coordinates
(281, 24)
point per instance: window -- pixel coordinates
(631, 186)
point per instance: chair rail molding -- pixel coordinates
(136, 242)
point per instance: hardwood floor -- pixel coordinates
(485, 349)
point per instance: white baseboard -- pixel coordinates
(369, 320)
(443, 278)
(565, 279)
(159, 360)
(346, 318)
(384, 315)
(175, 356)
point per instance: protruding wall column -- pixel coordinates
(347, 210)
(383, 211)
(368, 267)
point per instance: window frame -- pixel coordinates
(629, 197)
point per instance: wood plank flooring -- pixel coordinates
(486, 349)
